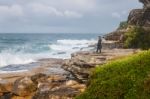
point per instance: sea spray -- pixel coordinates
(28, 48)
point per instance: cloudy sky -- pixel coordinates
(63, 16)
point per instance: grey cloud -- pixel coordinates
(63, 15)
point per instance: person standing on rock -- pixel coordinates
(99, 45)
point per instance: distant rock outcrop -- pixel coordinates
(115, 35)
(140, 17)
(146, 3)
(137, 17)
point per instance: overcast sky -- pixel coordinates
(63, 16)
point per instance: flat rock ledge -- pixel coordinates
(81, 63)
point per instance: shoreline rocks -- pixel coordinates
(47, 81)
(44, 84)
(41, 86)
(81, 63)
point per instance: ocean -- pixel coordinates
(19, 49)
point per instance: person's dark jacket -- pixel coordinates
(99, 44)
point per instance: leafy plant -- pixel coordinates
(137, 37)
(123, 25)
(126, 78)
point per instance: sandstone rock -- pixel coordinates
(61, 93)
(56, 78)
(47, 83)
(6, 96)
(1, 94)
(49, 86)
(75, 85)
(18, 97)
(81, 63)
(24, 87)
(71, 83)
(5, 86)
(115, 35)
(139, 17)
(146, 3)
(39, 78)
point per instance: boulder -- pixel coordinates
(75, 85)
(52, 83)
(40, 77)
(6, 96)
(24, 87)
(5, 86)
(61, 93)
(18, 97)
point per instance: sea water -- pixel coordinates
(19, 49)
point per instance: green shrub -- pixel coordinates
(127, 78)
(123, 25)
(137, 37)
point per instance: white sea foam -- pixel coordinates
(22, 58)
(71, 45)
(17, 71)
(61, 49)
(10, 58)
(75, 42)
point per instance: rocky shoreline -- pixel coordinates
(56, 78)
(65, 79)
(47, 81)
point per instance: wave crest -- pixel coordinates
(75, 42)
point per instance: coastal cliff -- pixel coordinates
(140, 17)
(137, 17)
(42, 85)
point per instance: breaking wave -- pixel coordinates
(24, 55)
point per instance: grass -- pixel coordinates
(127, 78)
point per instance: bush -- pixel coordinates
(123, 25)
(127, 78)
(137, 37)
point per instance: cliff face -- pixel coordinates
(137, 17)
(140, 17)
(146, 3)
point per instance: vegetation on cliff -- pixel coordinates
(137, 37)
(127, 78)
(123, 25)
